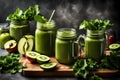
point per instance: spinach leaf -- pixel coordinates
(40, 18)
(27, 15)
(96, 25)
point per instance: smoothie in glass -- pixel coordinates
(45, 35)
(65, 47)
(95, 44)
(19, 29)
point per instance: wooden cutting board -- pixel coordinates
(34, 70)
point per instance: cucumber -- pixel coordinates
(114, 46)
(48, 66)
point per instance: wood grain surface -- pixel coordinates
(61, 70)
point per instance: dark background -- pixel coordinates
(69, 13)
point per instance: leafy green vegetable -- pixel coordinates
(83, 66)
(96, 25)
(112, 61)
(10, 63)
(95, 77)
(27, 15)
(42, 19)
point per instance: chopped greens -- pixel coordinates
(10, 63)
(96, 25)
(27, 15)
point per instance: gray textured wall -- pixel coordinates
(69, 13)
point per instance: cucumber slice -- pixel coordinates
(114, 46)
(42, 59)
(48, 66)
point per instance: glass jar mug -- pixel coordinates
(45, 35)
(66, 48)
(18, 29)
(95, 44)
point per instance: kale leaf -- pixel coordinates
(10, 63)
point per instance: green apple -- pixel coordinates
(11, 46)
(26, 43)
(30, 37)
(4, 37)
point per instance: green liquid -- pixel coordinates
(66, 49)
(94, 48)
(18, 31)
(45, 41)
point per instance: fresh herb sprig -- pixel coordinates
(10, 63)
(96, 25)
(27, 15)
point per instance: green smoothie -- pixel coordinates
(65, 47)
(19, 29)
(45, 38)
(95, 45)
(94, 48)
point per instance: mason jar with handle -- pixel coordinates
(66, 47)
(95, 42)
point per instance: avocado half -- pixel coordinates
(26, 43)
(42, 59)
(48, 66)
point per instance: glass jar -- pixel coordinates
(4, 28)
(45, 35)
(65, 46)
(95, 44)
(18, 29)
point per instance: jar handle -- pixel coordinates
(81, 43)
